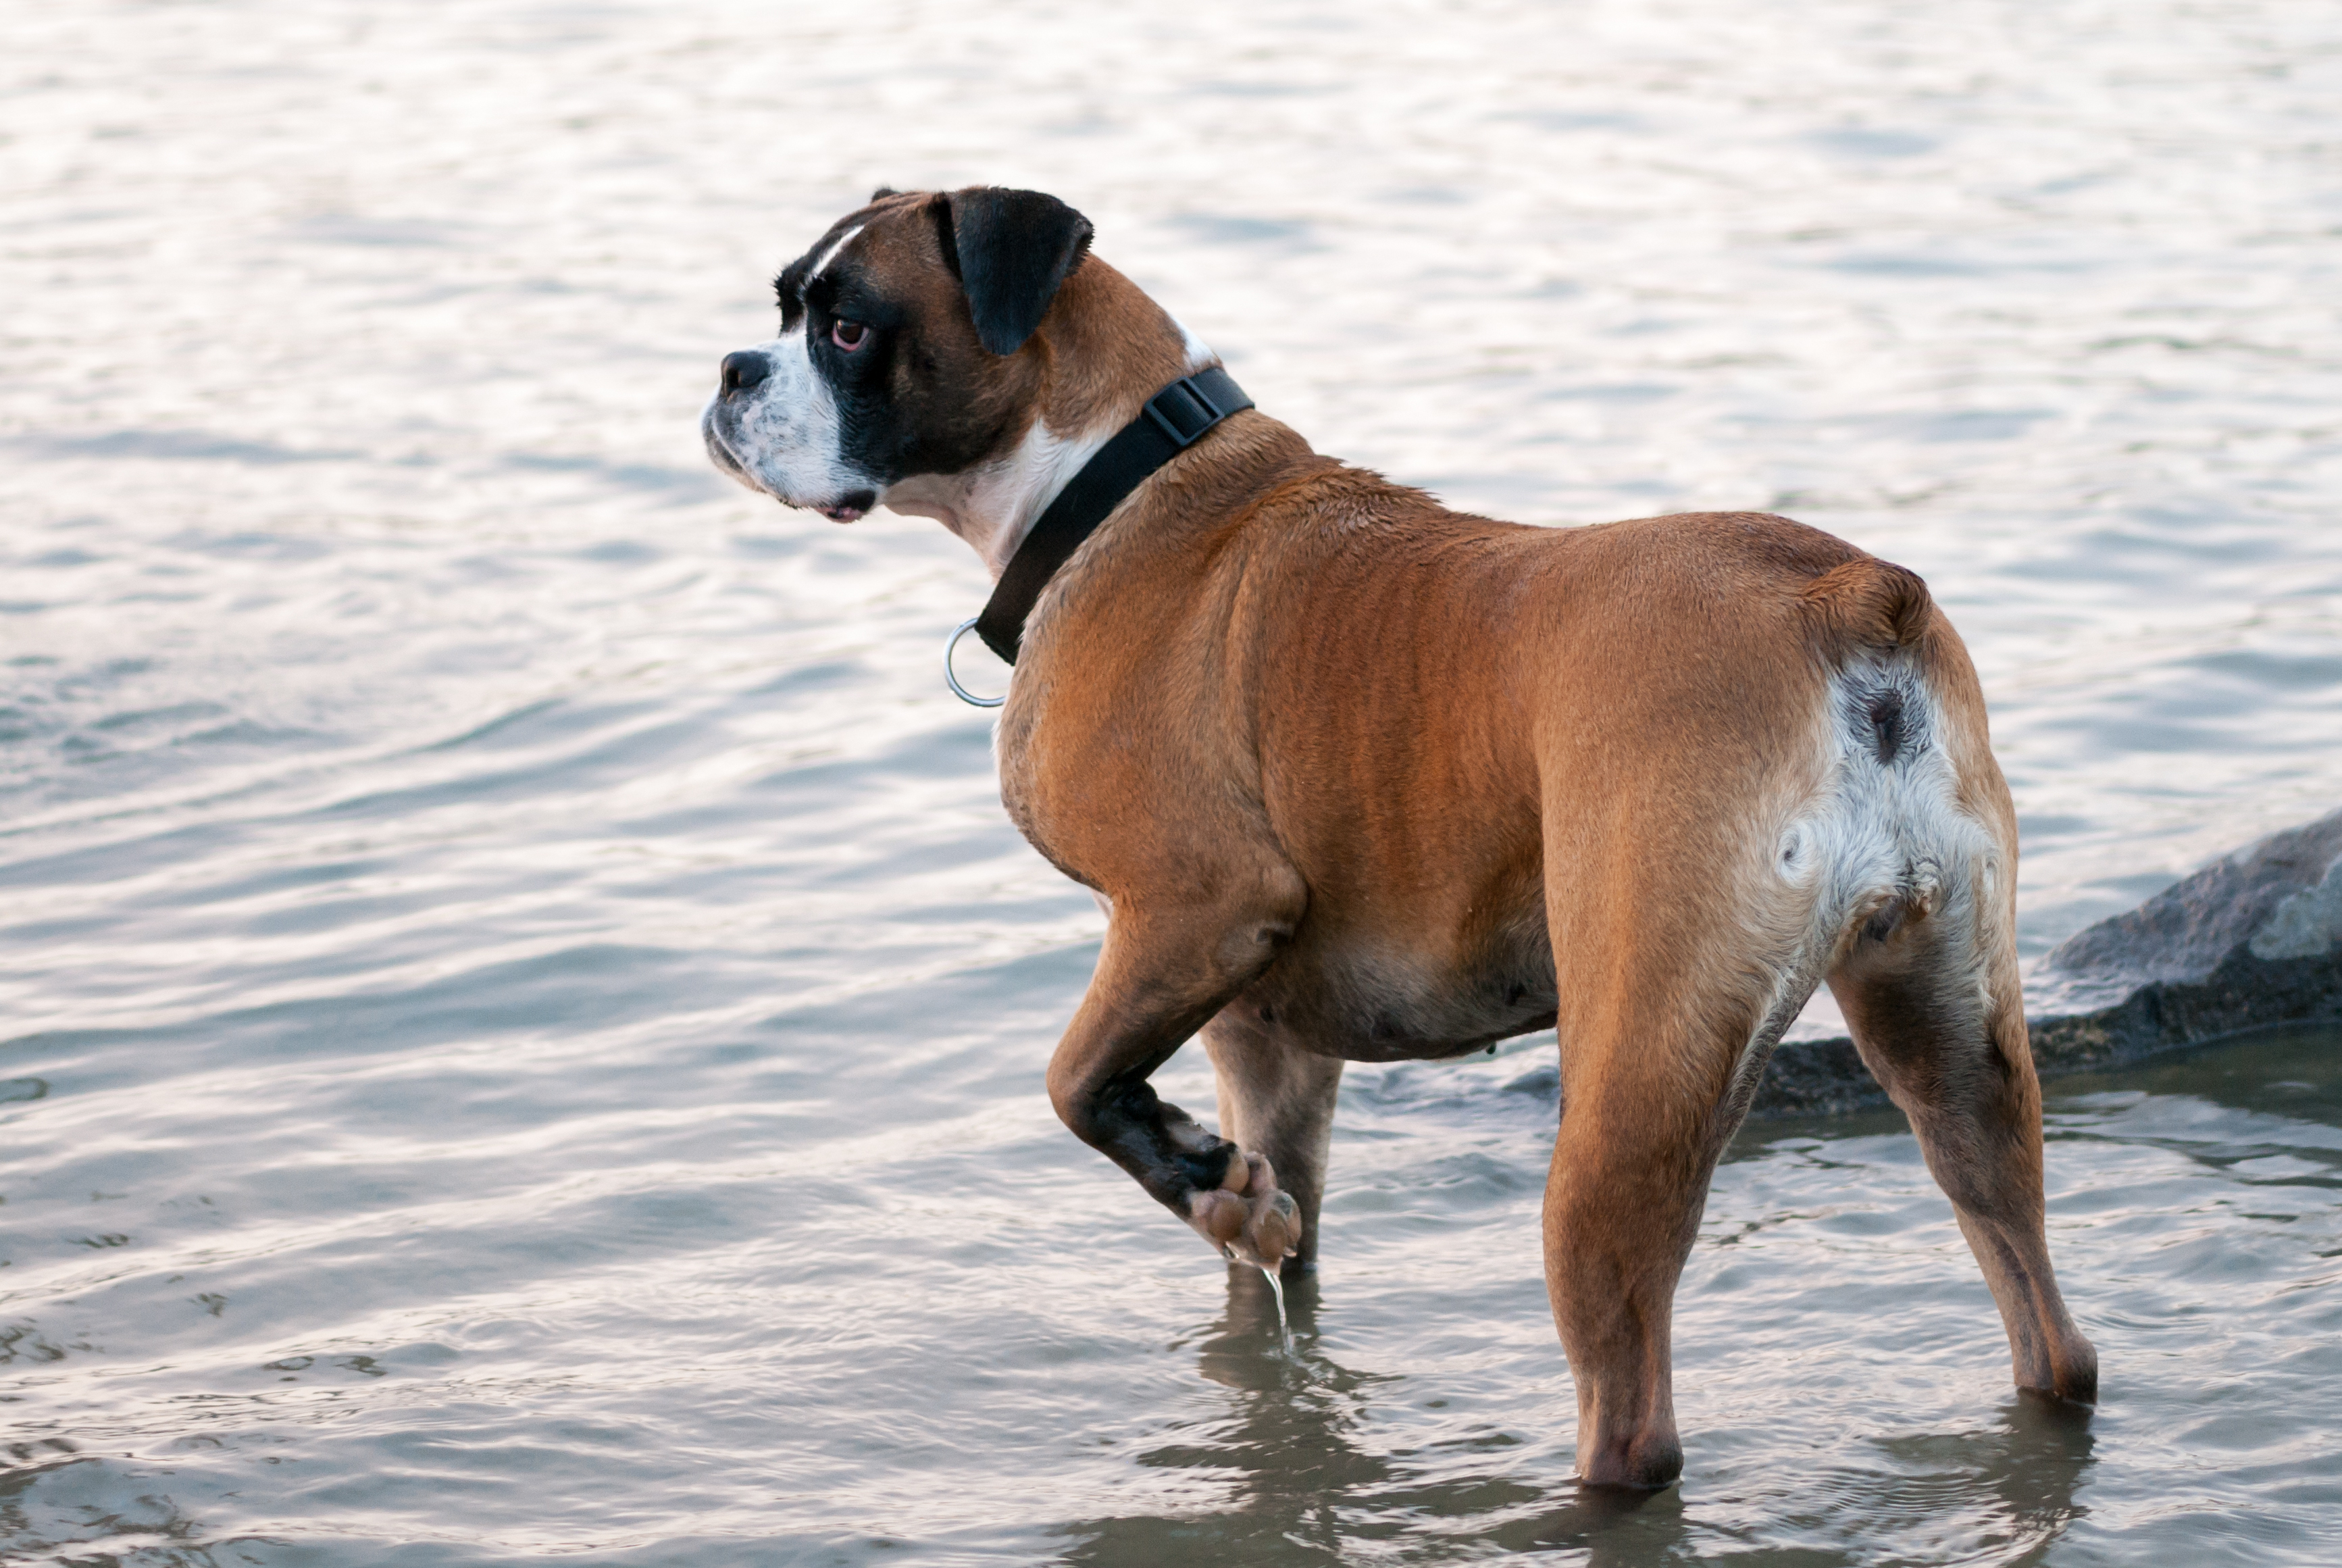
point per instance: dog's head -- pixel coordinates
(938, 334)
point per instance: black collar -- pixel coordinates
(1174, 419)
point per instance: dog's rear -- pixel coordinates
(1883, 827)
(1923, 873)
(1912, 823)
(1880, 857)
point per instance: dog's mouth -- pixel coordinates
(850, 507)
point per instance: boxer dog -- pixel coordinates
(1361, 779)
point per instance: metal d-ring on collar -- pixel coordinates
(962, 693)
(1174, 419)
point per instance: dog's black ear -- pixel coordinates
(882, 191)
(1012, 250)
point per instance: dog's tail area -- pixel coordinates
(1892, 838)
(1882, 833)
(1866, 603)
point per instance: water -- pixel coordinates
(1284, 1320)
(525, 1022)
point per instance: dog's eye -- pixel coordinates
(849, 335)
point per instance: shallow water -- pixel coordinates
(525, 1020)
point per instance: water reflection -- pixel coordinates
(1612, 1527)
(2037, 1461)
(2007, 1490)
(1304, 1481)
(2290, 1070)
(76, 1502)
(1287, 1445)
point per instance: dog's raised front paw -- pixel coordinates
(1246, 1217)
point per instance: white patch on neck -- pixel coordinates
(1200, 353)
(830, 254)
(995, 505)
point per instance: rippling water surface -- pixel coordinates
(525, 1020)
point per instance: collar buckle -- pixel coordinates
(1183, 411)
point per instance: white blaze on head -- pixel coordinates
(830, 254)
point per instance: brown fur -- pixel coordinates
(1365, 779)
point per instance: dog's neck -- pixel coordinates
(994, 504)
(1098, 380)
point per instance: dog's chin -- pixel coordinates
(851, 507)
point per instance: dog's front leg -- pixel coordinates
(1161, 975)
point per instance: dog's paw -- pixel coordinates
(1246, 1217)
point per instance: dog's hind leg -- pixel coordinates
(1166, 969)
(1277, 1100)
(1670, 997)
(1663, 1029)
(1934, 1004)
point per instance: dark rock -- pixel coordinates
(1816, 1078)
(2253, 939)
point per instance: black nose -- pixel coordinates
(745, 368)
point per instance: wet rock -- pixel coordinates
(1816, 1078)
(2253, 939)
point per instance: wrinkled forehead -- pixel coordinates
(884, 254)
